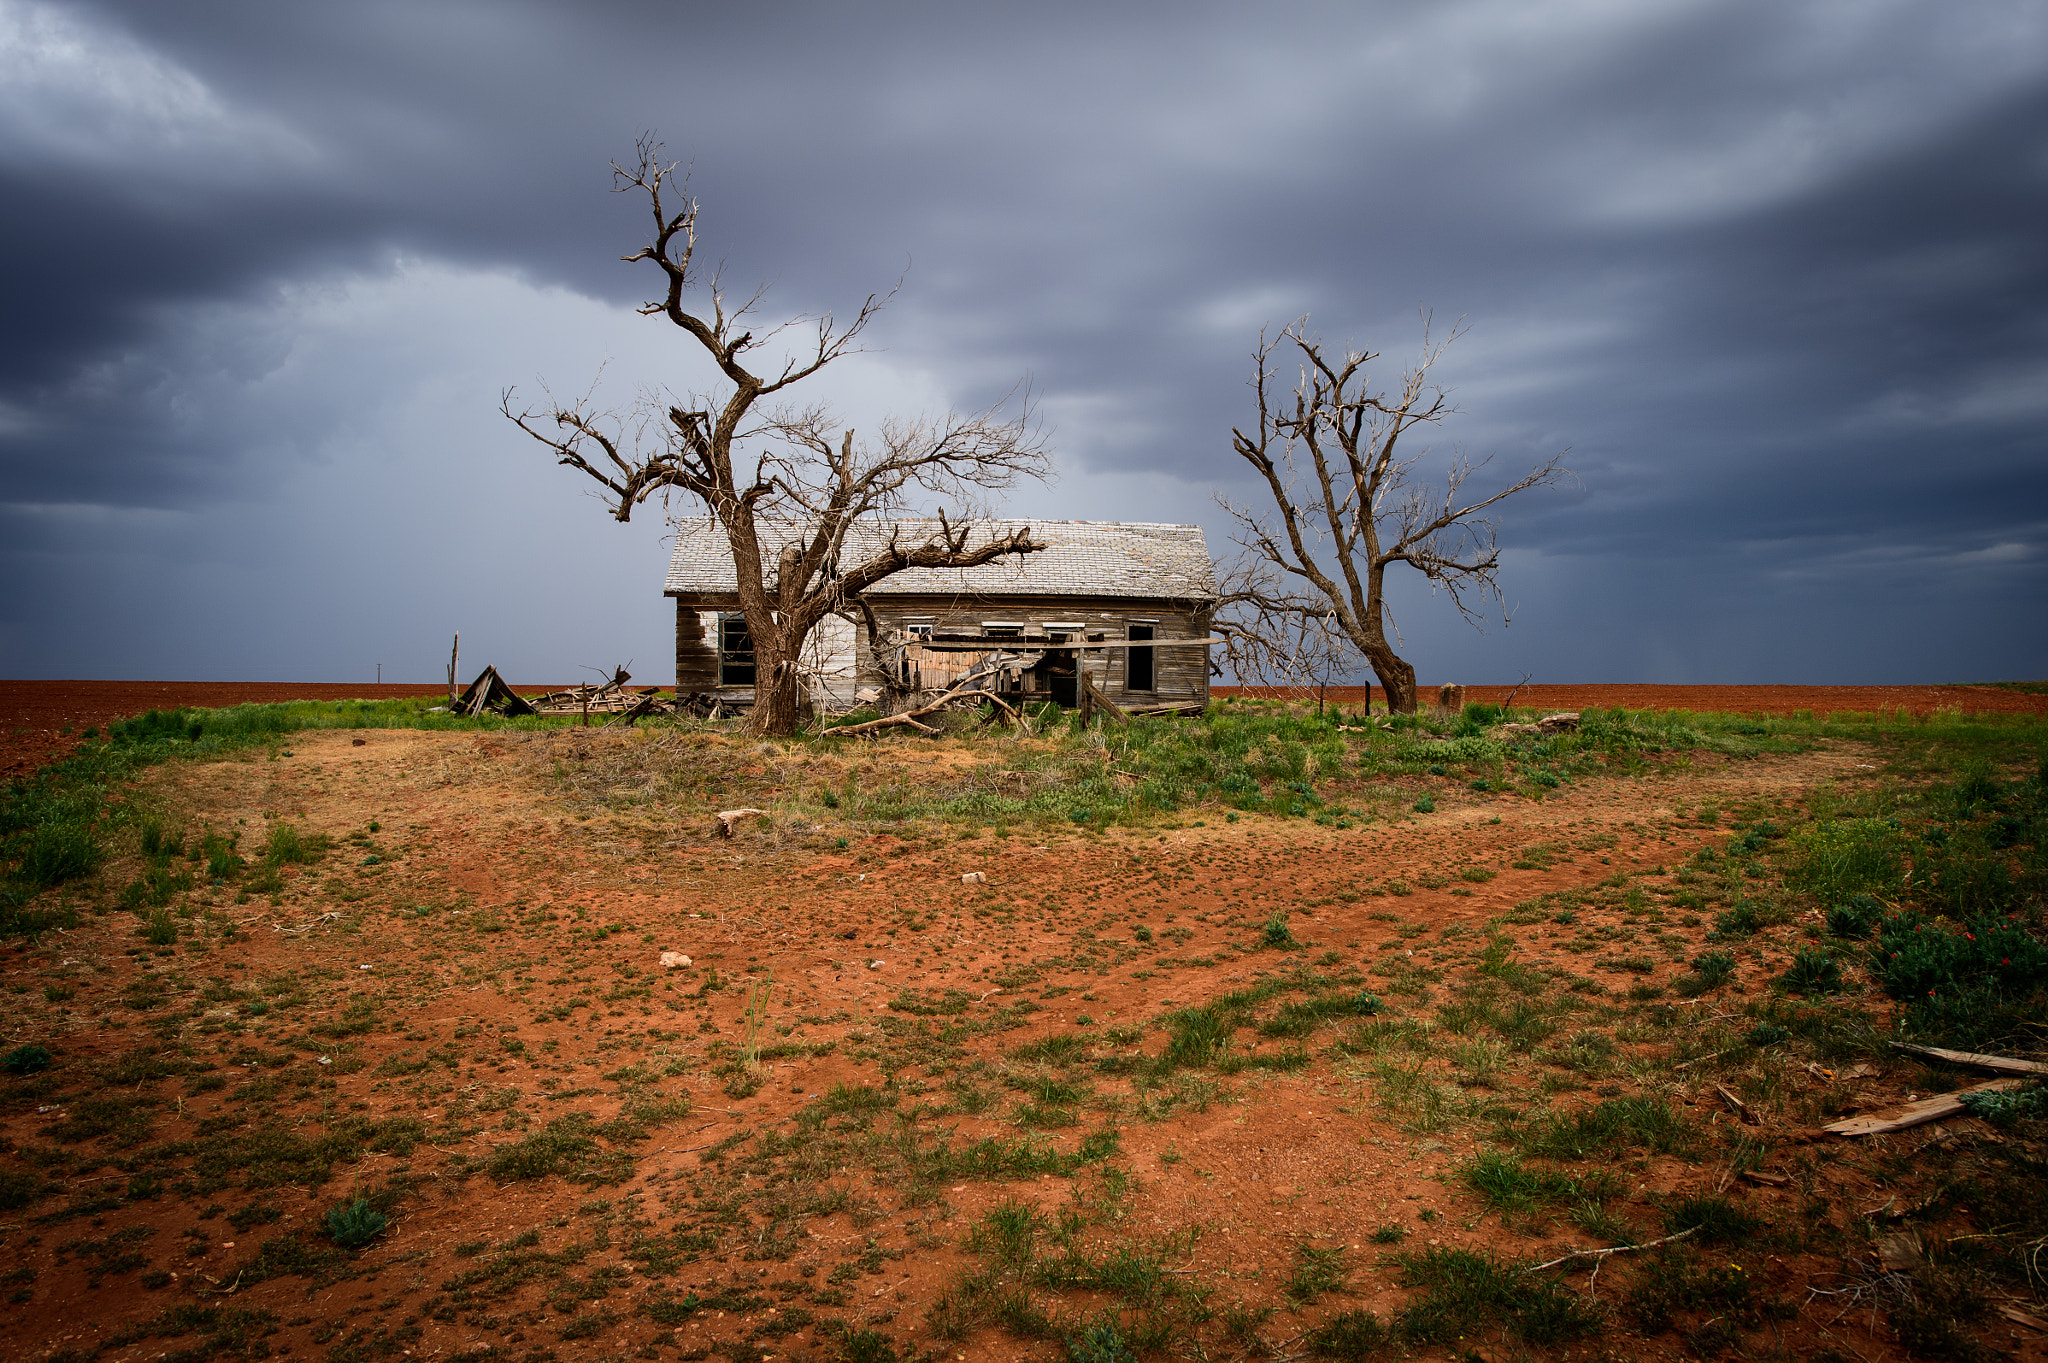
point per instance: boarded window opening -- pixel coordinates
(735, 651)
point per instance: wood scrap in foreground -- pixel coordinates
(1997, 1064)
(1926, 1110)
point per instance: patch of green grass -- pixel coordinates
(564, 1148)
(1317, 1270)
(1463, 1292)
(1353, 1337)
(1713, 1221)
(1613, 1124)
(1512, 1188)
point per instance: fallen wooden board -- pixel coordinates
(1997, 1064)
(1926, 1110)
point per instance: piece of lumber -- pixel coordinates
(1735, 1104)
(1996, 1064)
(728, 817)
(1926, 1110)
(1095, 694)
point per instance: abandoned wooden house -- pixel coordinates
(1127, 603)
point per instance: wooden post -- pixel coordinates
(453, 655)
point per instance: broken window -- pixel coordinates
(735, 651)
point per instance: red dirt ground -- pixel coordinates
(477, 920)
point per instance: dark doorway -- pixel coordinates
(1058, 672)
(1138, 661)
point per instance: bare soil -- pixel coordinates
(498, 937)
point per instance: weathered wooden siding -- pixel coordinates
(839, 659)
(696, 649)
(1180, 674)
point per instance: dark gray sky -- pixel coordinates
(1777, 274)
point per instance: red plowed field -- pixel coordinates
(1747, 700)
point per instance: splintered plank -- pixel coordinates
(1926, 1110)
(1997, 1064)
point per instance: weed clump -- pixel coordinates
(30, 1059)
(355, 1224)
(1855, 917)
(1812, 971)
(1352, 1337)
(1465, 1292)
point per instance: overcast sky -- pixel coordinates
(1776, 273)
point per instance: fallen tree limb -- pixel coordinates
(1600, 1256)
(1996, 1064)
(1926, 1110)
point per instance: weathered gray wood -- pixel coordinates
(1926, 1110)
(1996, 1064)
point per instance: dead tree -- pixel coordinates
(1346, 506)
(1268, 642)
(782, 482)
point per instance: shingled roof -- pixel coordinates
(1087, 558)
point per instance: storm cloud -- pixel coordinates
(1776, 274)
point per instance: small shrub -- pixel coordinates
(1099, 1344)
(1855, 916)
(1425, 805)
(355, 1224)
(1765, 1034)
(160, 929)
(1812, 971)
(27, 1059)
(1747, 918)
(2009, 1107)
(289, 847)
(1277, 934)
(1711, 969)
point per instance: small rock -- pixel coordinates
(1898, 1251)
(357, 742)
(673, 960)
(876, 965)
(974, 878)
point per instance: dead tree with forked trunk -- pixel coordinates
(782, 482)
(1346, 507)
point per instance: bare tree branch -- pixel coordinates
(790, 473)
(1345, 506)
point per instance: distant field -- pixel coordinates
(1770, 700)
(38, 719)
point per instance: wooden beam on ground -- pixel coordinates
(1926, 1110)
(1995, 1064)
(1094, 693)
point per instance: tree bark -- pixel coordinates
(778, 698)
(1396, 677)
